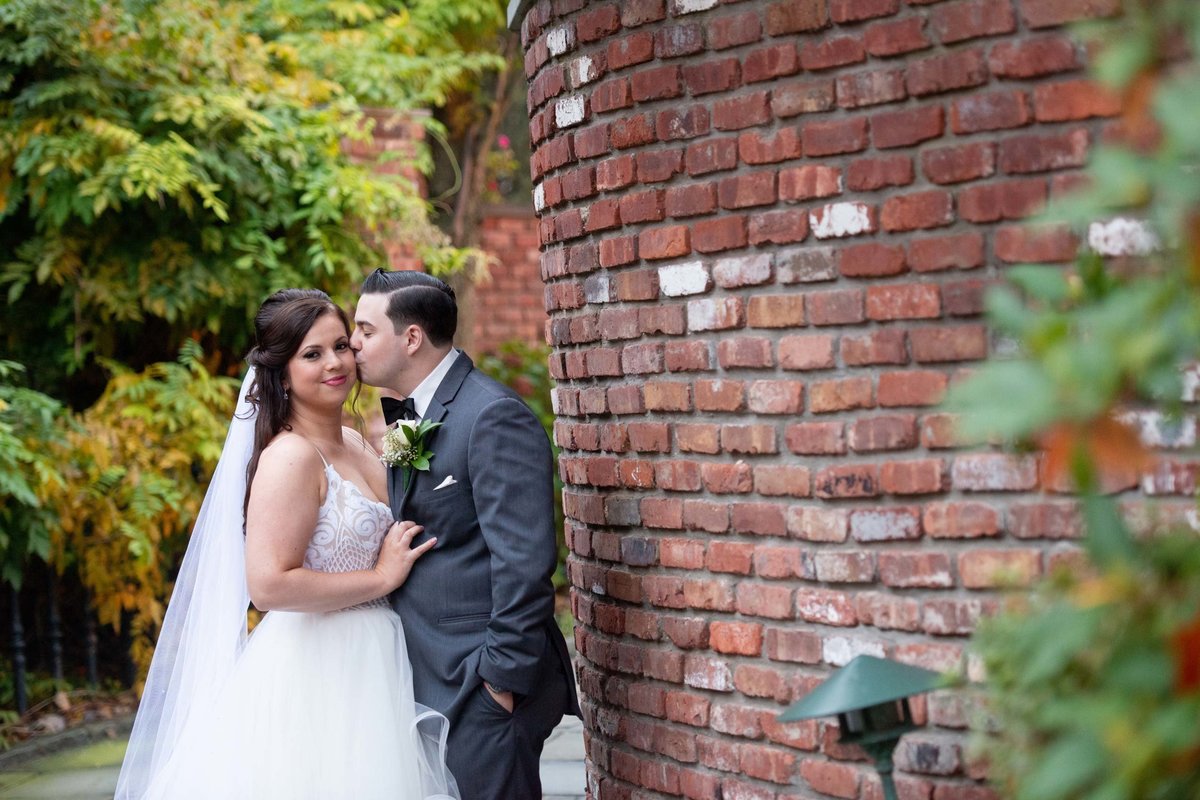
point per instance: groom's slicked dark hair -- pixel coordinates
(416, 298)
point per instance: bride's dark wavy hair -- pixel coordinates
(282, 322)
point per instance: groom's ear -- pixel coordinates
(414, 337)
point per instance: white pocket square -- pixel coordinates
(448, 482)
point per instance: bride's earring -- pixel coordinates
(285, 395)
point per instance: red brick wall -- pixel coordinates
(392, 132)
(766, 228)
(509, 305)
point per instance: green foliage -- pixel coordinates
(1154, 171)
(164, 166)
(405, 446)
(160, 161)
(387, 54)
(1093, 684)
(39, 687)
(524, 368)
(1089, 341)
(501, 168)
(136, 467)
(1105, 335)
(30, 424)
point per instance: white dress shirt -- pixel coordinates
(422, 396)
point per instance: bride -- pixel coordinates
(318, 702)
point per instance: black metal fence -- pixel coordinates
(53, 632)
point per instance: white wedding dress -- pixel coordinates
(318, 706)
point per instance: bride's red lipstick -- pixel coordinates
(338, 381)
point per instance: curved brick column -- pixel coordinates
(765, 231)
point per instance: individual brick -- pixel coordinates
(767, 63)
(896, 37)
(847, 11)
(956, 251)
(796, 16)
(960, 69)
(990, 111)
(908, 127)
(1032, 58)
(871, 88)
(1059, 12)
(835, 137)
(829, 52)
(930, 209)
(801, 97)
(971, 19)
(743, 111)
(869, 174)
(658, 83)
(959, 163)
(1074, 100)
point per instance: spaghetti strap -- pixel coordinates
(322, 455)
(363, 441)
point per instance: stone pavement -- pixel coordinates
(88, 771)
(563, 774)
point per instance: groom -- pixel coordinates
(478, 612)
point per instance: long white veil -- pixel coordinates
(200, 641)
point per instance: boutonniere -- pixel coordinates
(404, 447)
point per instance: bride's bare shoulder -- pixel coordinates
(289, 451)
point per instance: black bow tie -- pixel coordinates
(394, 409)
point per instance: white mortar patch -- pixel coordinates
(583, 71)
(1122, 237)
(841, 650)
(743, 270)
(703, 315)
(679, 280)
(1191, 384)
(1158, 430)
(560, 40)
(680, 7)
(714, 675)
(568, 111)
(840, 219)
(597, 288)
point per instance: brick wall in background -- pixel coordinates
(509, 306)
(766, 228)
(393, 132)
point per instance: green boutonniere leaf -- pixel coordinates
(404, 446)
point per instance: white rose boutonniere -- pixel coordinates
(404, 447)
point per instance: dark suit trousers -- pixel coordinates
(494, 755)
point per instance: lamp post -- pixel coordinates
(869, 696)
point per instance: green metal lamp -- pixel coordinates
(869, 696)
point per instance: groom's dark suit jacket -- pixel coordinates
(480, 605)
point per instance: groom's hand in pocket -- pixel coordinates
(505, 699)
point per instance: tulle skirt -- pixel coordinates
(319, 707)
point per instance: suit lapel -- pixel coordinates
(408, 491)
(453, 381)
(396, 491)
(436, 412)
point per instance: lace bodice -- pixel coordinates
(350, 529)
